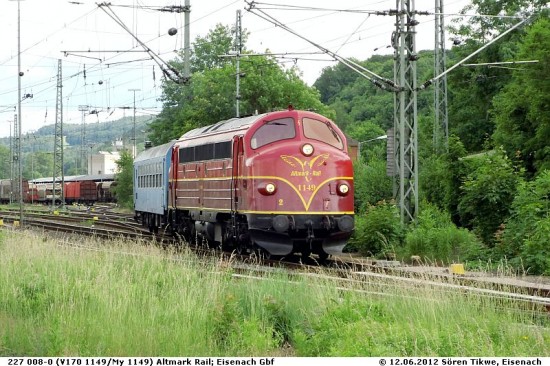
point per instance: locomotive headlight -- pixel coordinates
(270, 188)
(307, 149)
(267, 189)
(343, 189)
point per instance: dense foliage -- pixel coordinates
(522, 109)
(379, 232)
(487, 194)
(124, 190)
(499, 118)
(436, 239)
(525, 237)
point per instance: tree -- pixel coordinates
(484, 27)
(38, 165)
(456, 174)
(4, 162)
(333, 79)
(124, 189)
(207, 50)
(522, 109)
(210, 95)
(472, 89)
(357, 101)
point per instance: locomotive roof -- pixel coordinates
(227, 125)
(156, 151)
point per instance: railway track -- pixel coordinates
(353, 274)
(77, 222)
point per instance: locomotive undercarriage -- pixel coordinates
(305, 234)
(271, 235)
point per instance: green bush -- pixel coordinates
(535, 252)
(378, 231)
(124, 190)
(437, 239)
(371, 183)
(525, 238)
(487, 194)
(433, 179)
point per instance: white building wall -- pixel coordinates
(103, 163)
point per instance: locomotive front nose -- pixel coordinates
(345, 223)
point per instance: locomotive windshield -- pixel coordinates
(278, 129)
(322, 131)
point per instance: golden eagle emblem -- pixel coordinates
(306, 166)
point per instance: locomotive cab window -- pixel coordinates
(322, 131)
(271, 131)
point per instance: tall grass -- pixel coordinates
(131, 299)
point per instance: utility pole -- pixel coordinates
(405, 110)
(134, 150)
(17, 122)
(33, 143)
(58, 139)
(83, 151)
(238, 49)
(441, 118)
(187, 42)
(16, 182)
(12, 180)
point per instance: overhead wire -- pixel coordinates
(351, 35)
(377, 80)
(76, 86)
(49, 36)
(168, 70)
(142, 7)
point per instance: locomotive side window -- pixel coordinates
(322, 131)
(222, 150)
(219, 150)
(276, 130)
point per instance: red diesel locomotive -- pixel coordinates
(279, 182)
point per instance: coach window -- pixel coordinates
(271, 131)
(322, 131)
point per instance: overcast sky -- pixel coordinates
(67, 30)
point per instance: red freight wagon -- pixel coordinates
(81, 192)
